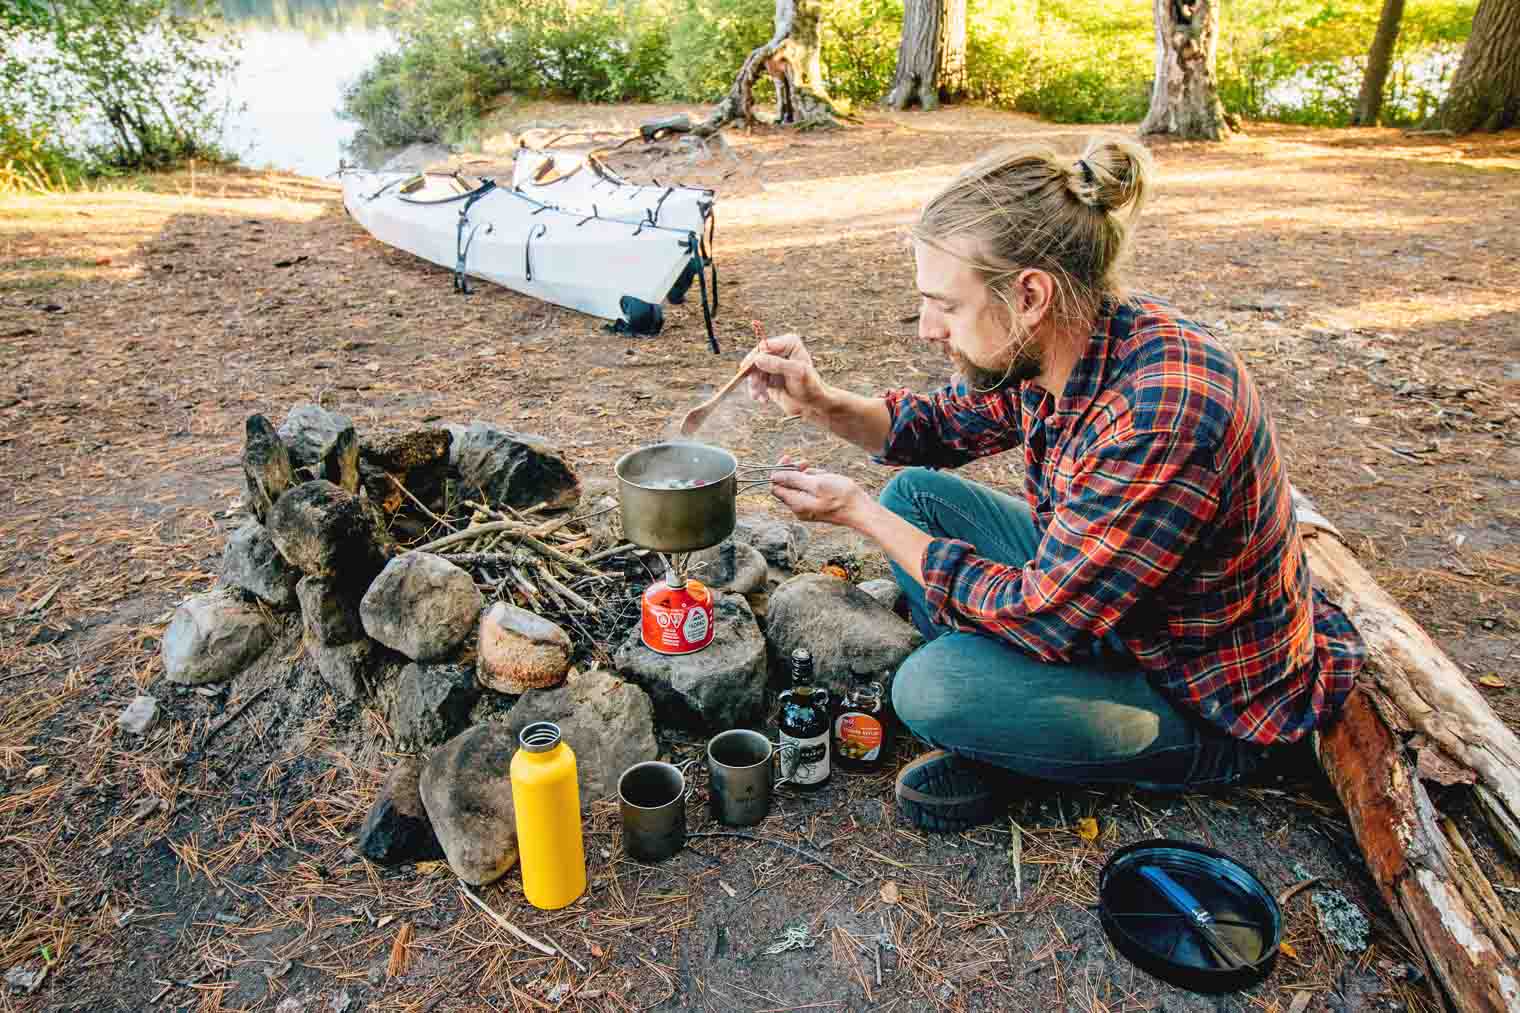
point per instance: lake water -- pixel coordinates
(297, 57)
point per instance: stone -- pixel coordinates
(339, 462)
(432, 704)
(324, 531)
(138, 716)
(730, 566)
(329, 612)
(466, 788)
(718, 687)
(514, 469)
(212, 637)
(291, 1005)
(419, 458)
(884, 590)
(850, 634)
(782, 543)
(396, 831)
(350, 669)
(340, 1002)
(421, 605)
(251, 562)
(267, 470)
(309, 429)
(607, 722)
(518, 650)
(25, 980)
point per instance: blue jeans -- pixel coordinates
(1094, 721)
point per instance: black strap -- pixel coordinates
(468, 198)
(654, 216)
(535, 231)
(461, 244)
(712, 231)
(700, 263)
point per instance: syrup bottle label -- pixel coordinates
(812, 758)
(859, 736)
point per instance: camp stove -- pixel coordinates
(677, 614)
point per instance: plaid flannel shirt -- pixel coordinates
(1166, 520)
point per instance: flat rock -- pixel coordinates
(515, 469)
(607, 722)
(251, 562)
(730, 566)
(518, 650)
(466, 788)
(884, 590)
(782, 543)
(396, 831)
(324, 531)
(308, 429)
(138, 716)
(850, 634)
(267, 470)
(329, 612)
(432, 704)
(718, 687)
(421, 605)
(212, 637)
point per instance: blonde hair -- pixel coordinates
(1028, 207)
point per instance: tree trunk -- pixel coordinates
(931, 58)
(1485, 91)
(794, 59)
(1379, 62)
(1184, 96)
(1412, 718)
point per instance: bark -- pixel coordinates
(931, 58)
(793, 58)
(1414, 718)
(1379, 62)
(1184, 95)
(1485, 91)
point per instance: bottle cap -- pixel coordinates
(539, 737)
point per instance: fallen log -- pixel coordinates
(1413, 718)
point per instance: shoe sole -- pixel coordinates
(937, 794)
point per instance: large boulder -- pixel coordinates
(396, 831)
(432, 704)
(851, 635)
(325, 531)
(418, 458)
(782, 543)
(267, 470)
(466, 788)
(329, 612)
(213, 636)
(515, 469)
(608, 723)
(251, 562)
(730, 566)
(421, 605)
(718, 687)
(309, 429)
(518, 650)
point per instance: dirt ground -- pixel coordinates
(1371, 280)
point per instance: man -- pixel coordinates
(1144, 615)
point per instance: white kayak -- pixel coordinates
(616, 270)
(586, 186)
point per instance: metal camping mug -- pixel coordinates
(652, 796)
(742, 766)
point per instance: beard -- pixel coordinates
(1024, 364)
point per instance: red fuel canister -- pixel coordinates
(677, 617)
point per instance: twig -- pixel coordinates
(499, 920)
(212, 732)
(780, 844)
(408, 494)
(566, 954)
(597, 557)
(564, 592)
(473, 531)
(1295, 890)
(550, 552)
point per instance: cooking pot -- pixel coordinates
(679, 496)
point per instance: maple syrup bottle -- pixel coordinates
(862, 729)
(805, 726)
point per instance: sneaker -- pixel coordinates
(945, 793)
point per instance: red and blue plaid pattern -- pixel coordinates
(1167, 521)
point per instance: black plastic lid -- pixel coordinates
(1189, 915)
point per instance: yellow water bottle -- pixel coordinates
(547, 802)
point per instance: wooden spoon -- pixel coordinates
(698, 415)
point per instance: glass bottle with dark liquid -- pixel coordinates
(805, 726)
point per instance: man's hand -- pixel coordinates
(820, 496)
(783, 373)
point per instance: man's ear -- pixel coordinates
(1036, 297)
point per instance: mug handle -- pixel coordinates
(782, 749)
